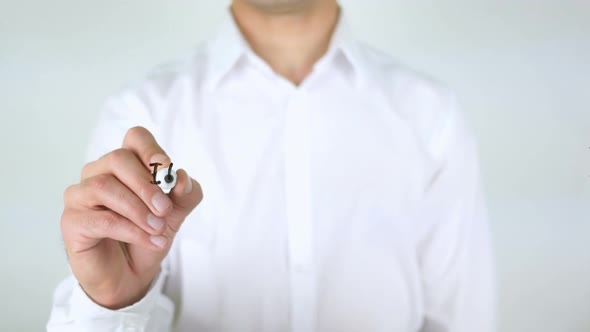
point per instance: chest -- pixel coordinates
(363, 172)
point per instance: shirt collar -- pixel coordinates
(229, 46)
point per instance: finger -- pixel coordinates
(106, 190)
(143, 144)
(186, 196)
(84, 229)
(125, 166)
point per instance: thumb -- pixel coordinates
(186, 195)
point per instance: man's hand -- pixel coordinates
(117, 226)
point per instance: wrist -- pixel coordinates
(118, 297)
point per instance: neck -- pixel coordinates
(291, 42)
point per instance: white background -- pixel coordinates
(520, 68)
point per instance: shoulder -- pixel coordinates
(166, 80)
(384, 73)
(426, 104)
(150, 101)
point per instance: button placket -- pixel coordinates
(299, 219)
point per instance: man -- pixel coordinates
(341, 192)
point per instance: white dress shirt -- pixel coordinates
(351, 202)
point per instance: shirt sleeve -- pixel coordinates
(72, 309)
(455, 243)
(120, 113)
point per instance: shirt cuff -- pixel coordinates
(84, 310)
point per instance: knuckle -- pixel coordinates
(86, 170)
(99, 183)
(136, 207)
(200, 194)
(135, 133)
(118, 157)
(135, 234)
(65, 220)
(69, 193)
(102, 224)
(147, 190)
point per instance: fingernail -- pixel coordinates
(161, 202)
(189, 185)
(159, 240)
(155, 222)
(158, 158)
